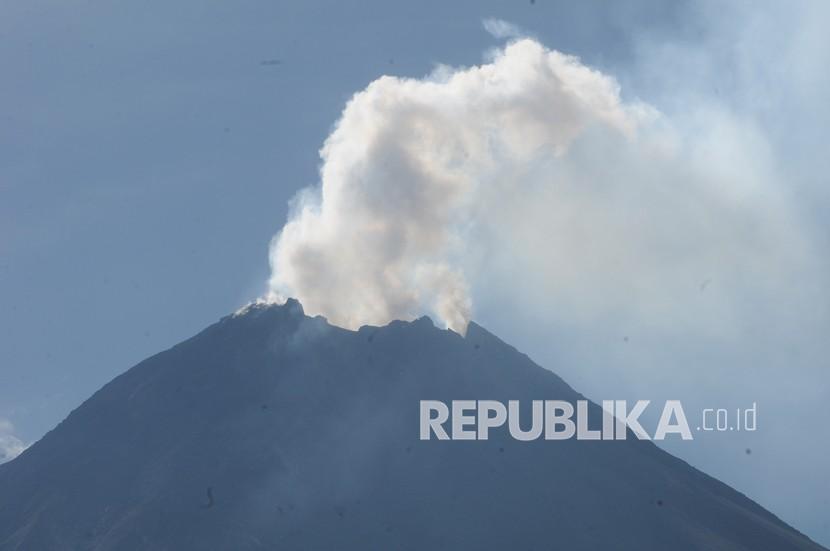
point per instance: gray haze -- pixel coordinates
(149, 153)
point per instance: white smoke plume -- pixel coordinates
(529, 171)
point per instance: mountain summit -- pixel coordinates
(274, 430)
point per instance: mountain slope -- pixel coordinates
(273, 430)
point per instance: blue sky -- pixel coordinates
(149, 156)
(149, 152)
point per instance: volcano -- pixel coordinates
(275, 430)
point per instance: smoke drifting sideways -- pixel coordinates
(530, 175)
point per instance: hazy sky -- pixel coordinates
(149, 151)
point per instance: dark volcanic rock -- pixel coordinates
(274, 430)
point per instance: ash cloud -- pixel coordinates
(530, 175)
(413, 166)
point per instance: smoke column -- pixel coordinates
(526, 172)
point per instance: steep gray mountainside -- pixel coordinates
(274, 430)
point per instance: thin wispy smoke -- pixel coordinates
(502, 29)
(529, 175)
(10, 445)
